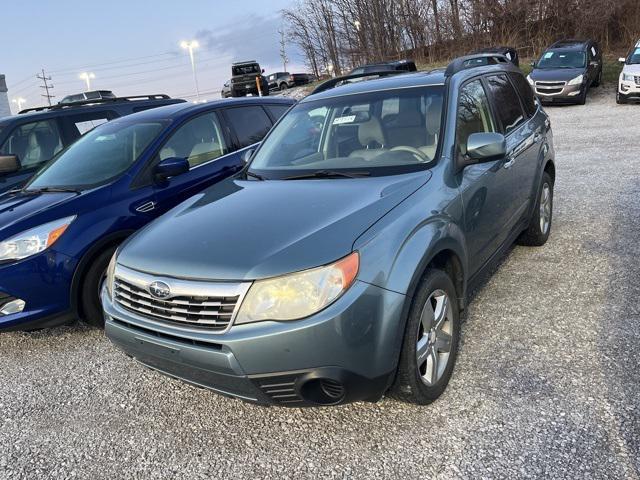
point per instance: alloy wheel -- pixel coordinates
(434, 337)
(545, 208)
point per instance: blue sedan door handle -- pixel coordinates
(511, 158)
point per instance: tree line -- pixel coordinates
(339, 34)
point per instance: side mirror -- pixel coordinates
(594, 64)
(484, 147)
(622, 60)
(171, 167)
(247, 154)
(9, 164)
(263, 70)
(533, 64)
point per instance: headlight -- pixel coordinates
(626, 77)
(530, 80)
(33, 241)
(576, 81)
(298, 295)
(111, 269)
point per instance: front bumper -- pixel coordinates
(44, 283)
(557, 92)
(629, 90)
(350, 350)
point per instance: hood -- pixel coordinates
(248, 229)
(17, 207)
(633, 69)
(556, 75)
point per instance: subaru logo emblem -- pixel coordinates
(159, 289)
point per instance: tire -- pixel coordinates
(598, 80)
(283, 87)
(537, 233)
(90, 289)
(582, 99)
(414, 382)
(619, 99)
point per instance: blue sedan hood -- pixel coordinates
(18, 207)
(248, 229)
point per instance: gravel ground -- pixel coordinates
(547, 382)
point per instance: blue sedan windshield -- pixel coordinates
(98, 157)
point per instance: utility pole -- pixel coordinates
(46, 86)
(283, 50)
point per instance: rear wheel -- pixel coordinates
(539, 228)
(598, 80)
(91, 287)
(430, 341)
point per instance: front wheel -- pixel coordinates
(619, 99)
(537, 233)
(430, 342)
(582, 98)
(91, 287)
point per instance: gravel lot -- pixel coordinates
(547, 382)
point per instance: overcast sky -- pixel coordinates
(133, 46)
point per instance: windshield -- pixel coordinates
(562, 59)
(98, 157)
(634, 57)
(245, 69)
(380, 133)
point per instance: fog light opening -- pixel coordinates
(323, 391)
(12, 306)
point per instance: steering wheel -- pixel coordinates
(422, 158)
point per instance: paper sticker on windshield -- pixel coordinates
(548, 55)
(346, 119)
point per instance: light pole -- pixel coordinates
(19, 101)
(87, 77)
(191, 45)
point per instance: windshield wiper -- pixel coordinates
(253, 175)
(51, 190)
(328, 174)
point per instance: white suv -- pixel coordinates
(629, 83)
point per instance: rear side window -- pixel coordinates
(277, 110)
(250, 123)
(526, 93)
(474, 114)
(506, 102)
(34, 143)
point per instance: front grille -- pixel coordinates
(549, 88)
(203, 305)
(637, 79)
(550, 84)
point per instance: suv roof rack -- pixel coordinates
(97, 101)
(242, 63)
(333, 82)
(476, 60)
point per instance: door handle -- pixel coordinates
(509, 163)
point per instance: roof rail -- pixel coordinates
(97, 101)
(333, 82)
(475, 60)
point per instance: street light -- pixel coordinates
(87, 77)
(191, 46)
(19, 101)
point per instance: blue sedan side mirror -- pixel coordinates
(171, 167)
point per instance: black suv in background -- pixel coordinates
(34, 136)
(284, 80)
(566, 71)
(243, 79)
(509, 52)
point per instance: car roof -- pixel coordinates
(186, 109)
(571, 44)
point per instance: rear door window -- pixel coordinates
(250, 124)
(34, 143)
(526, 93)
(506, 102)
